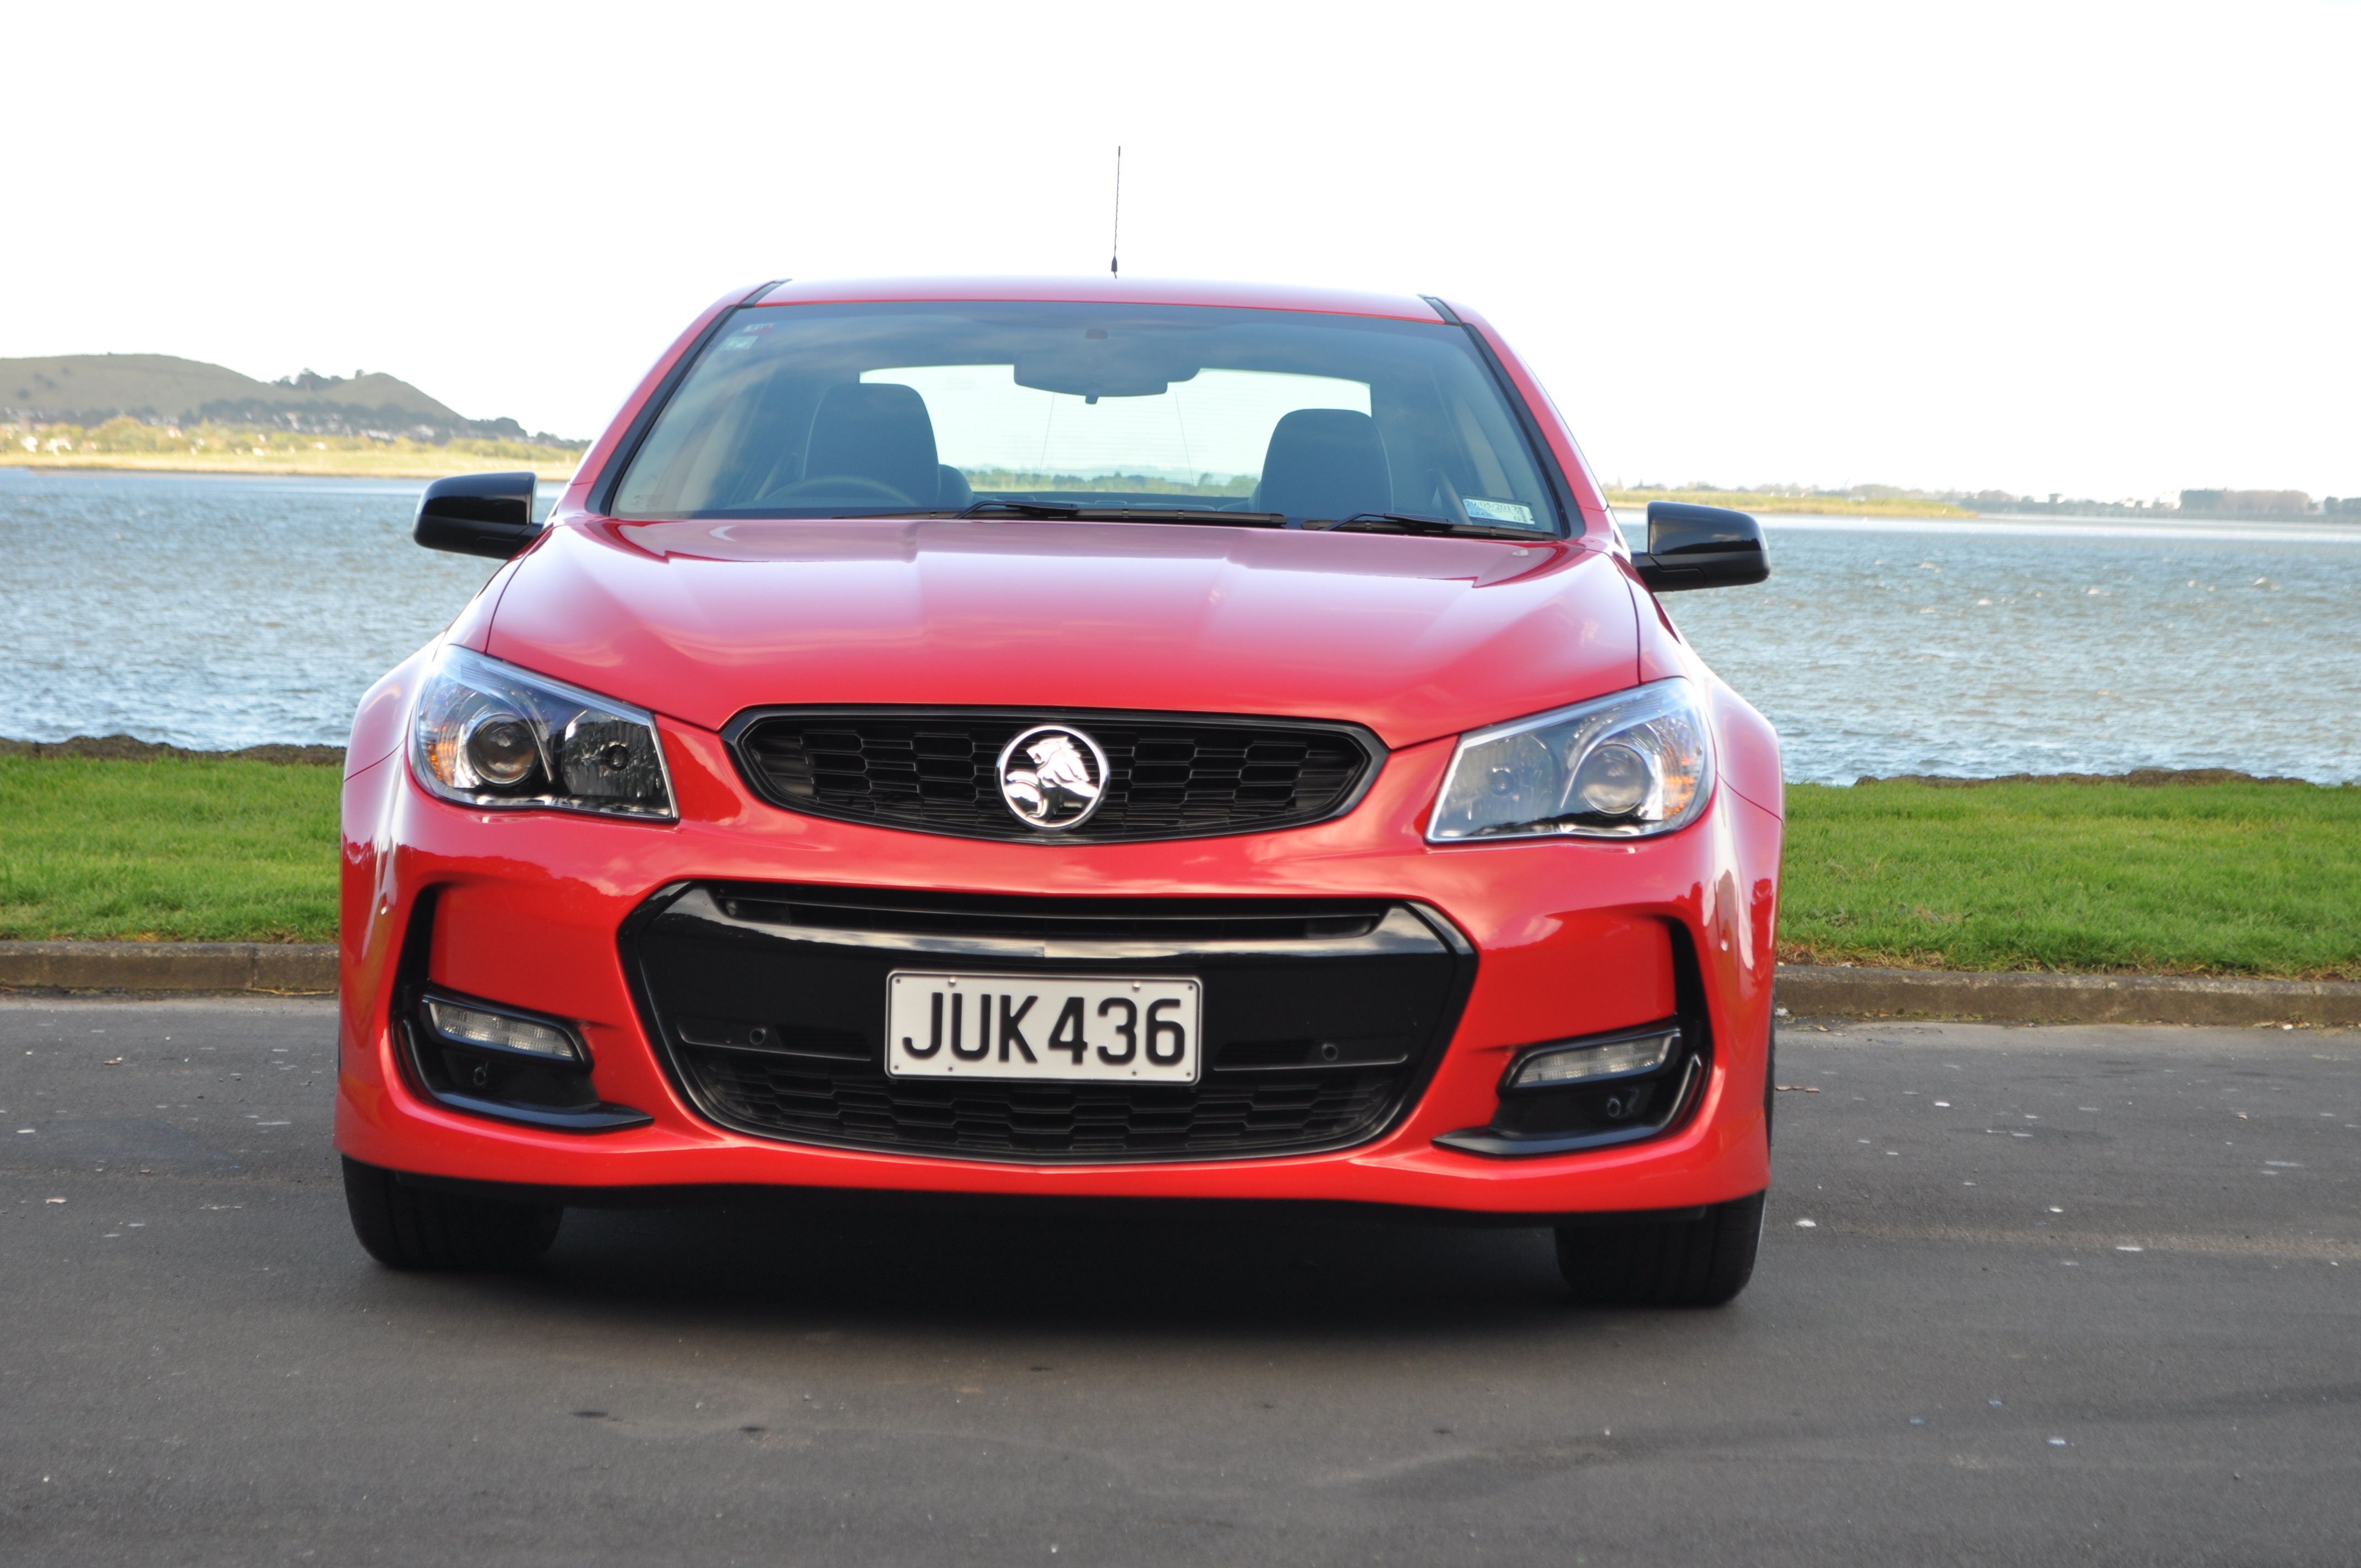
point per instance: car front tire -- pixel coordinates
(1702, 1262)
(421, 1228)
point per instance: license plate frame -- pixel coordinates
(1128, 1024)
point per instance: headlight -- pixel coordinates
(488, 734)
(1624, 767)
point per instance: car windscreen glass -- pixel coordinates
(887, 410)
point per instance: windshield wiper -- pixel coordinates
(1079, 512)
(1359, 522)
(1023, 508)
(1184, 514)
(1411, 522)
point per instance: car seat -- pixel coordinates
(878, 434)
(1325, 462)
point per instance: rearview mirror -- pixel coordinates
(1125, 362)
(1097, 375)
(477, 514)
(1701, 547)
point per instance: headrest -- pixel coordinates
(877, 430)
(1326, 462)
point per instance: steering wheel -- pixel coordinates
(840, 485)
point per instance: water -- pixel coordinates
(220, 612)
(1975, 648)
(212, 612)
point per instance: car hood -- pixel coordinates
(1413, 637)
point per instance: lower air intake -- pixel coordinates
(1322, 1019)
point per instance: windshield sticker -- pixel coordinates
(745, 337)
(1500, 511)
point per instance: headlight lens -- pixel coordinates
(1624, 767)
(488, 734)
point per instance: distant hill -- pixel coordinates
(91, 389)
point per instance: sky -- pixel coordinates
(2106, 250)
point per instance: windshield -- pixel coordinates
(887, 410)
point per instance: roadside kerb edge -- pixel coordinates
(1828, 991)
(170, 966)
(1822, 991)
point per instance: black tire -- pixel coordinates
(418, 1227)
(1663, 1263)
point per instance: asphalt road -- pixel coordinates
(2080, 1295)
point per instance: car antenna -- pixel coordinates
(1115, 246)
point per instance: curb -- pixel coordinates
(1809, 990)
(170, 966)
(1830, 990)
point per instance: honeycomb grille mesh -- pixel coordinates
(1169, 778)
(853, 1102)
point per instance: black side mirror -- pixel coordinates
(477, 514)
(1701, 547)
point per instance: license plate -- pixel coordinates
(1051, 1028)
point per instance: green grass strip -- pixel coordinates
(2242, 879)
(2235, 878)
(177, 849)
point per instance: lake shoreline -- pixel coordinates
(1632, 503)
(131, 749)
(115, 463)
(327, 466)
(1775, 505)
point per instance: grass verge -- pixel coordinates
(177, 849)
(2241, 879)
(1778, 501)
(127, 444)
(2230, 879)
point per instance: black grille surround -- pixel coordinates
(1323, 1019)
(1170, 775)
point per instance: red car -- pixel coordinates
(1101, 739)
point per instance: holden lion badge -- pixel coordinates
(1052, 777)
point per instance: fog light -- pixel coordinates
(474, 1026)
(1576, 1063)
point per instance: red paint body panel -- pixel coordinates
(1106, 291)
(1419, 639)
(1750, 750)
(378, 727)
(1414, 638)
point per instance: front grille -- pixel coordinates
(1033, 921)
(1169, 776)
(1322, 1020)
(853, 1105)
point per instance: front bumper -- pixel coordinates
(552, 912)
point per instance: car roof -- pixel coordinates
(1108, 291)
